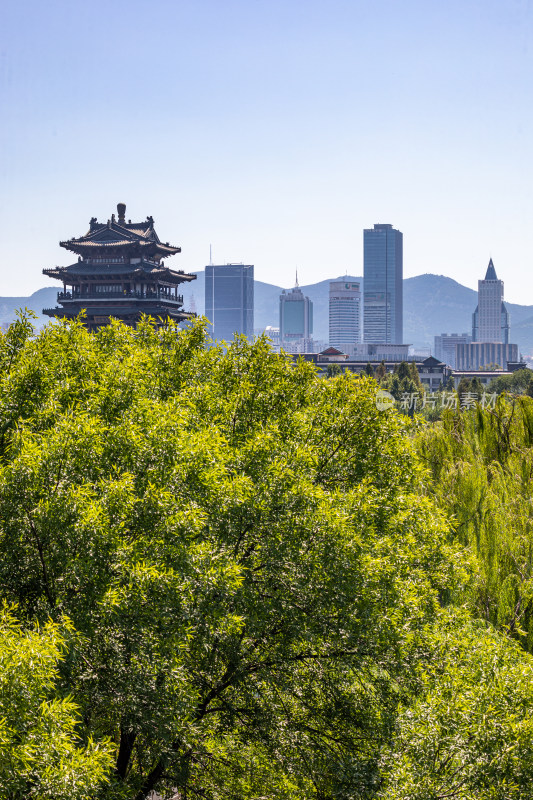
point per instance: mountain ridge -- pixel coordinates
(433, 304)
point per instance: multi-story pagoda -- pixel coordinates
(119, 273)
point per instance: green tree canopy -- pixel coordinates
(518, 382)
(333, 370)
(403, 371)
(464, 387)
(481, 465)
(466, 735)
(41, 755)
(241, 548)
(381, 370)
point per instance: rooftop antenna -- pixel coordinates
(296, 285)
(210, 256)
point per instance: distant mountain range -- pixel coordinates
(433, 304)
(42, 298)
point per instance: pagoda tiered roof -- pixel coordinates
(119, 273)
(136, 237)
(86, 269)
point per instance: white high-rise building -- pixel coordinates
(344, 315)
(490, 320)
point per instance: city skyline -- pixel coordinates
(425, 119)
(432, 304)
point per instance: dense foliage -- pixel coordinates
(481, 464)
(239, 546)
(519, 382)
(41, 755)
(242, 578)
(468, 734)
(404, 380)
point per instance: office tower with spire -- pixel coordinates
(490, 329)
(490, 320)
(295, 319)
(229, 300)
(344, 315)
(383, 285)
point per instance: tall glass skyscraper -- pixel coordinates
(383, 285)
(229, 299)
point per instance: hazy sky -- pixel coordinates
(275, 130)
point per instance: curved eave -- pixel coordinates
(76, 273)
(127, 312)
(86, 247)
(172, 275)
(54, 273)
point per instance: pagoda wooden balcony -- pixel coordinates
(76, 297)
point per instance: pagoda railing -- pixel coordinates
(152, 296)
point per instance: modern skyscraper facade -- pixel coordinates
(490, 320)
(295, 316)
(344, 315)
(229, 299)
(383, 285)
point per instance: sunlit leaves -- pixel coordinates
(469, 733)
(481, 465)
(41, 754)
(240, 546)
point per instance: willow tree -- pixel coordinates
(481, 464)
(468, 734)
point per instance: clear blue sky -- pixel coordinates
(274, 130)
